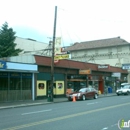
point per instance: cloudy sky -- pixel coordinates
(77, 20)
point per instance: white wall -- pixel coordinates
(29, 45)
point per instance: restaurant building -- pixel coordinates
(71, 75)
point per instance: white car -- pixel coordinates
(125, 90)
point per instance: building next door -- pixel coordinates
(15, 86)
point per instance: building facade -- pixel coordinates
(113, 51)
(70, 75)
(17, 81)
(29, 78)
(31, 46)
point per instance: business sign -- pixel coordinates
(60, 56)
(125, 66)
(58, 45)
(85, 71)
(2, 64)
(116, 75)
(103, 66)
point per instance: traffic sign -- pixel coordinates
(61, 56)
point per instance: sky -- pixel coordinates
(76, 21)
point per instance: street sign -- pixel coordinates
(60, 57)
(125, 66)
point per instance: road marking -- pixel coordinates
(105, 128)
(114, 125)
(92, 103)
(36, 112)
(64, 117)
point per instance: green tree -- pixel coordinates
(7, 45)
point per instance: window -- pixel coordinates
(15, 81)
(60, 85)
(3, 81)
(119, 49)
(75, 54)
(41, 85)
(96, 51)
(109, 50)
(26, 81)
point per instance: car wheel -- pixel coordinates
(83, 98)
(95, 96)
(118, 94)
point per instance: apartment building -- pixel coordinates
(113, 51)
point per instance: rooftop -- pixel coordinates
(111, 42)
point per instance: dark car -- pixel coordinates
(83, 94)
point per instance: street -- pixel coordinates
(100, 114)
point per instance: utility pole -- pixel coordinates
(52, 59)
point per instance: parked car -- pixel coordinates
(124, 90)
(83, 94)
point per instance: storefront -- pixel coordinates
(43, 83)
(73, 75)
(17, 81)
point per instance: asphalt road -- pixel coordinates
(100, 114)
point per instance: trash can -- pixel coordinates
(109, 90)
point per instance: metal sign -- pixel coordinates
(85, 71)
(125, 66)
(116, 75)
(2, 64)
(60, 57)
(58, 45)
(103, 66)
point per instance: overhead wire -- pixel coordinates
(67, 30)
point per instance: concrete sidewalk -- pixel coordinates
(14, 104)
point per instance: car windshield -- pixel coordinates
(82, 90)
(124, 86)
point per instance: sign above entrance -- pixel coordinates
(85, 71)
(2, 64)
(116, 75)
(103, 66)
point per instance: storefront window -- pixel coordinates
(15, 82)
(3, 81)
(41, 85)
(70, 85)
(26, 81)
(60, 85)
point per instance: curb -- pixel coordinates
(43, 103)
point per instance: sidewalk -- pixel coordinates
(14, 104)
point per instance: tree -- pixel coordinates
(7, 45)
